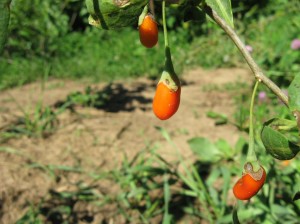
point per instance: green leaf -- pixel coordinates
(206, 150)
(111, 14)
(280, 211)
(240, 145)
(248, 214)
(278, 139)
(296, 196)
(226, 176)
(223, 8)
(143, 14)
(219, 118)
(214, 176)
(224, 147)
(235, 217)
(164, 133)
(167, 196)
(294, 98)
(294, 94)
(4, 20)
(281, 124)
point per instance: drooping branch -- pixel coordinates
(259, 75)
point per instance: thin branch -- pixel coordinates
(259, 75)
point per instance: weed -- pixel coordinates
(89, 98)
(42, 123)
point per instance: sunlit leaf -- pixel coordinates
(223, 8)
(279, 210)
(110, 14)
(224, 147)
(281, 124)
(249, 213)
(294, 98)
(294, 94)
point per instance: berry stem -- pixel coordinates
(258, 74)
(165, 24)
(151, 7)
(251, 155)
(169, 73)
(168, 59)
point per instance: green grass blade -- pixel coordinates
(167, 196)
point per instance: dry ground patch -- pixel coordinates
(96, 140)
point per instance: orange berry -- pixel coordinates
(166, 101)
(148, 31)
(246, 187)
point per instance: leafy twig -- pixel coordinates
(259, 75)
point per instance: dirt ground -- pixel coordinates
(97, 139)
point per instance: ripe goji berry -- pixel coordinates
(248, 186)
(148, 31)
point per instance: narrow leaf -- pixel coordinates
(223, 8)
(235, 217)
(294, 94)
(164, 133)
(294, 98)
(167, 196)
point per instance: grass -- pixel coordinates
(42, 121)
(152, 189)
(97, 56)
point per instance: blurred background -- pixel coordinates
(53, 37)
(79, 142)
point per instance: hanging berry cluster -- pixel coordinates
(167, 96)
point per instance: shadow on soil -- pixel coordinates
(112, 98)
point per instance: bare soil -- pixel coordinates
(96, 140)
